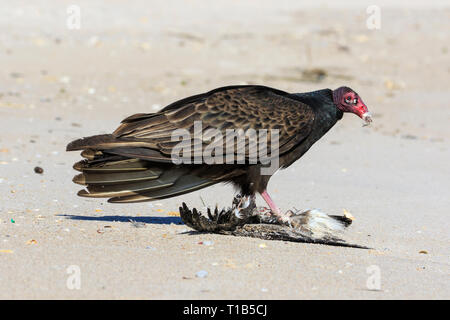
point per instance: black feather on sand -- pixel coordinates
(310, 226)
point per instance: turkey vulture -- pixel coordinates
(136, 162)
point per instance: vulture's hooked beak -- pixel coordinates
(367, 117)
(363, 112)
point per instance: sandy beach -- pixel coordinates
(59, 83)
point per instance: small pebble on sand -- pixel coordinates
(38, 170)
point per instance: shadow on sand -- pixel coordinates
(146, 220)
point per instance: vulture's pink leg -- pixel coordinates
(273, 208)
(270, 202)
(284, 217)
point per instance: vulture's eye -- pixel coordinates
(348, 100)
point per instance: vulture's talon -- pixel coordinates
(264, 211)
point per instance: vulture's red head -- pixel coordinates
(347, 100)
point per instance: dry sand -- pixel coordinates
(58, 84)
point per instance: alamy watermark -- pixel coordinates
(74, 280)
(374, 280)
(373, 21)
(73, 20)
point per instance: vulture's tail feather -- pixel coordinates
(91, 178)
(129, 170)
(126, 180)
(94, 145)
(102, 141)
(185, 184)
(120, 165)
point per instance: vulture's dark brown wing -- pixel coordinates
(242, 107)
(135, 162)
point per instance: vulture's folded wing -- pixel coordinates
(250, 108)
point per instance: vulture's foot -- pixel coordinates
(266, 215)
(285, 219)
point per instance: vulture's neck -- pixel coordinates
(321, 101)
